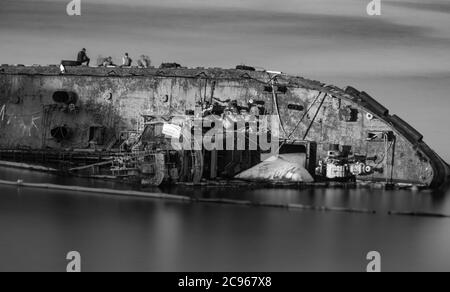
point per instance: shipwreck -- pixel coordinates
(121, 124)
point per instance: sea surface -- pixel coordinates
(38, 227)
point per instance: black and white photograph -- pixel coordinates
(223, 142)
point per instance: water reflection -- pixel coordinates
(39, 227)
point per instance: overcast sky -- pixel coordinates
(401, 57)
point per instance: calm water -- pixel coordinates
(39, 227)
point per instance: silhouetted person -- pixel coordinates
(126, 61)
(83, 58)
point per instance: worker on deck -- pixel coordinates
(126, 61)
(83, 58)
(144, 62)
(108, 62)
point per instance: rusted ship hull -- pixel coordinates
(43, 109)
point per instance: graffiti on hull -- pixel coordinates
(24, 123)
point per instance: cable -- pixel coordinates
(304, 115)
(315, 116)
(385, 154)
(301, 120)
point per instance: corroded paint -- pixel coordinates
(116, 99)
